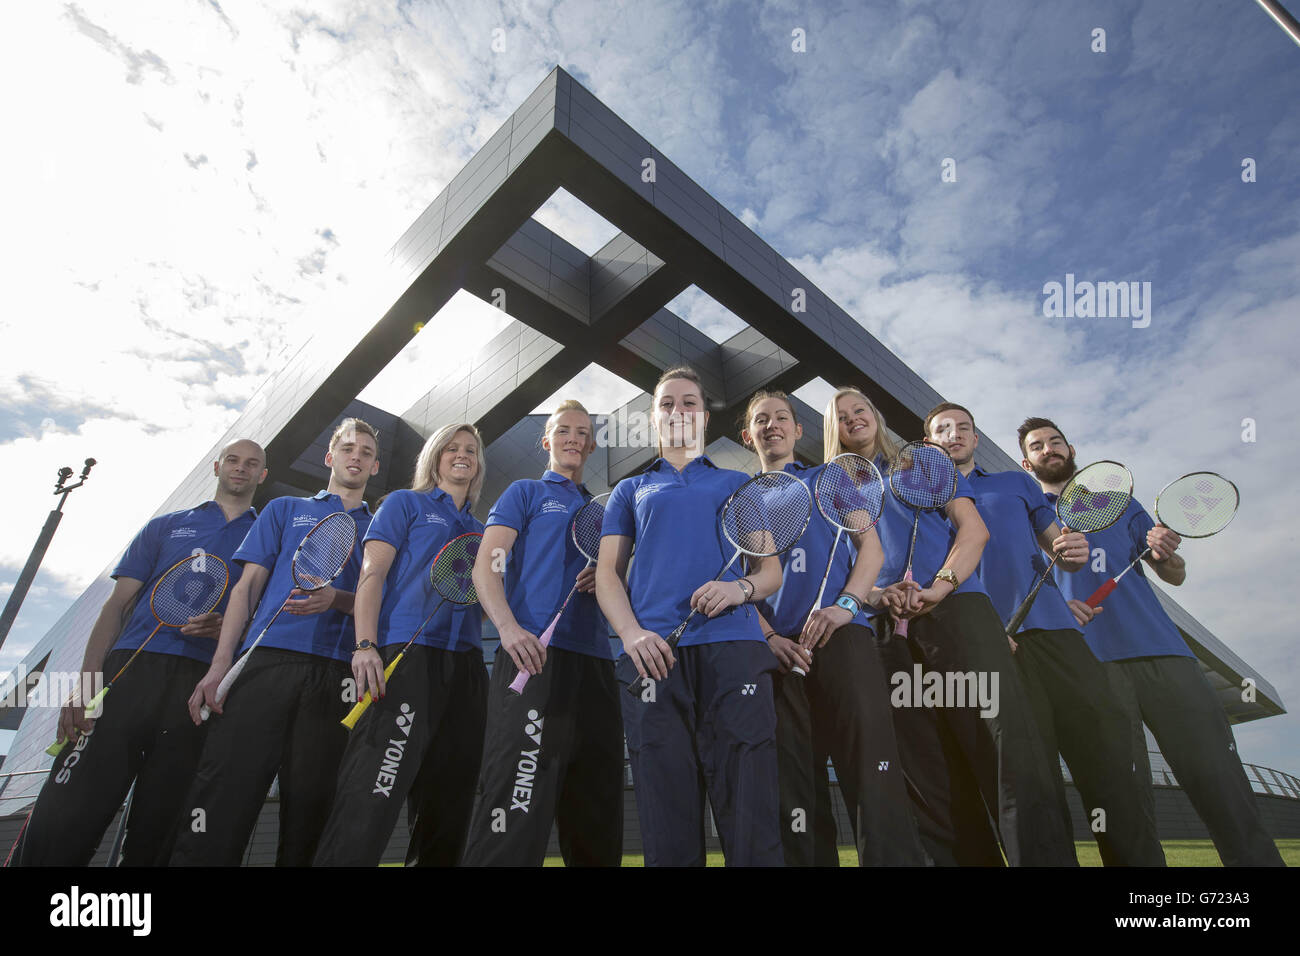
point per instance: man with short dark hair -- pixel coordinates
(1074, 710)
(145, 735)
(1154, 677)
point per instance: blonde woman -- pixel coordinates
(704, 719)
(435, 705)
(563, 735)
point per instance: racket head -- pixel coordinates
(1095, 497)
(585, 529)
(324, 552)
(923, 476)
(850, 492)
(451, 570)
(1197, 505)
(767, 514)
(190, 587)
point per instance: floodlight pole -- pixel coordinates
(42, 543)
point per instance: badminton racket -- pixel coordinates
(585, 531)
(1094, 499)
(319, 558)
(1194, 506)
(924, 478)
(191, 587)
(850, 494)
(450, 575)
(763, 517)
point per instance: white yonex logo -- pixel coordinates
(748, 690)
(526, 769)
(393, 754)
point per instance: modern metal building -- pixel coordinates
(567, 311)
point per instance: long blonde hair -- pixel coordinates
(883, 445)
(426, 465)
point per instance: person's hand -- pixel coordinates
(587, 580)
(821, 624)
(896, 598)
(368, 671)
(924, 601)
(205, 692)
(204, 625)
(650, 653)
(1071, 549)
(310, 602)
(73, 721)
(790, 654)
(1012, 641)
(715, 597)
(1082, 612)
(524, 649)
(1162, 542)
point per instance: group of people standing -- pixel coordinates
(741, 717)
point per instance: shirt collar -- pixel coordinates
(212, 503)
(438, 494)
(662, 462)
(977, 470)
(556, 478)
(325, 494)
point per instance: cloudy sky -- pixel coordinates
(190, 184)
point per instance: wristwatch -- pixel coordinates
(849, 603)
(365, 645)
(949, 575)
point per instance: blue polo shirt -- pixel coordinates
(1016, 511)
(162, 542)
(672, 518)
(417, 524)
(804, 564)
(271, 542)
(1133, 623)
(544, 563)
(934, 538)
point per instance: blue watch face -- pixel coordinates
(847, 603)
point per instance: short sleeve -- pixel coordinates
(261, 545)
(620, 515)
(964, 490)
(142, 553)
(391, 523)
(1041, 513)
(511, 509)
(1139, 524)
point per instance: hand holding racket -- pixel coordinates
(585, 531)
(1093, 500)
(191, 587)
(924, 478)
(450, 575)
(762, 518)
(1194, 506)
(319, 558)
(850, 494)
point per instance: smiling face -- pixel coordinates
(241, 468)
(353, 459)
(458, 463)
(857, 425)
(570, 440)
(772, 430)
(954, 432)
(680, 416)
(1048, 456)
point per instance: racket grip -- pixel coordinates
(56, 748)
(92, 707)
(1101, 593)
(364, 703)
(517, 685)
(900, 629)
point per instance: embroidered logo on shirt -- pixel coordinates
(182, 533)
(551, 505)
(304, 521)
(434, 518)
(645, 490)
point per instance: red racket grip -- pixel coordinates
(901, 629)
(1102, 593)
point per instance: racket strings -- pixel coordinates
(324, 552)
(850, 492)
(453, 568)
(1198, 505)
(923, 476)
(1096, 497)
(587, 524)
(767, 514)
(188, 589)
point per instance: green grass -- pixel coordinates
(1177, 853)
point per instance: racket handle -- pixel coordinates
(224, 687)
(900, 629)
(517, 685)
(799, 670)
(1102, 593)
(56, 748)
(636, 683)
(92, 707)
(364, 703)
